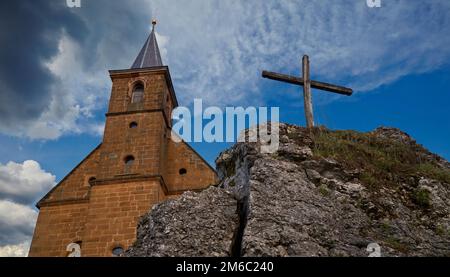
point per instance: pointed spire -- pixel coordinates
(149, 55)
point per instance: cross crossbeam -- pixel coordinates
(307, 84)
(314, 84)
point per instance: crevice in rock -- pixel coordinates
(242, 210)
(306, 174)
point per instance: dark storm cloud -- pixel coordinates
(118, 31)
(29, 34)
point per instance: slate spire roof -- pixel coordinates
(149, 55)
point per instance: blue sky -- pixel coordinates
(53, 95)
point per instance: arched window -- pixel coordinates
(129, 160)
(133, 125)
(138, 94)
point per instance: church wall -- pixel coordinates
(114, 211)
(57, 227)
(198, 174)
(143, 143)
(76, 184)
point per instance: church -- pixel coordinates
(97, 206)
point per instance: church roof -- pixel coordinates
(149, 55)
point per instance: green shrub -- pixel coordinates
(323, 189)
(422, 198)
(434, 172)
(384, 162)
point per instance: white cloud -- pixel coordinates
(76, 96)
(16, 228)
(20, 186)
(97, 128)
(24, 183)
(163, 42)
(17, 250)
(218, 48)
(16, 216)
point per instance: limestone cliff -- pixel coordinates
(324, 193)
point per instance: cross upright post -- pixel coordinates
(307, 93)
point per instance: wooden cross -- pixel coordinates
(307, 84)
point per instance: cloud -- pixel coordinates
(21, 185)
(62, 87)
(24, 183)
(18, 250)
(76, 96)
(220, 47)
(30, 31)
(216, 51)
(163, 42)
(16, 223)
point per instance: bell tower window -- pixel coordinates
(138, 94)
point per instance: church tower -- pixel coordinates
(95, 209)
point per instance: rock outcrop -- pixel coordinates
(324, 193)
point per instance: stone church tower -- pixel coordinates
(96, 207)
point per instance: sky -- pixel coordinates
(55, 86)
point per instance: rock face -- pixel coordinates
(324, 193)
(194, 225)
